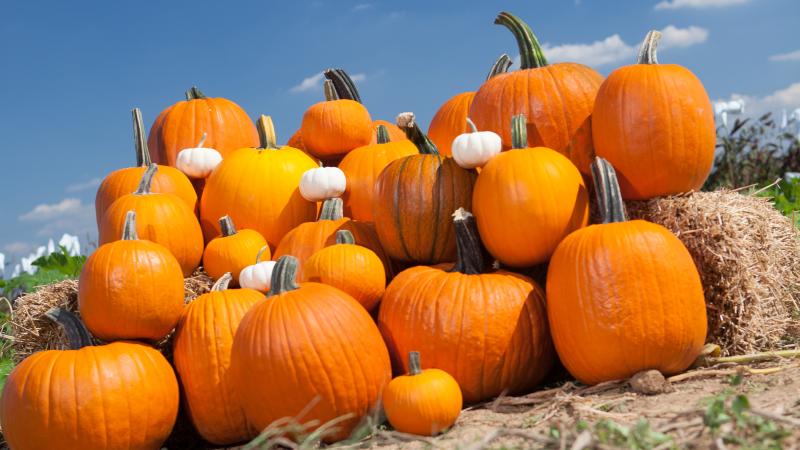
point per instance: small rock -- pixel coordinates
(650, 382)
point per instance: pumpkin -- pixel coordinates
(476, 148)
(352, 268)
(116, 282)
(450, 119)
(162, 218)
(424, 402)
(124, 181)
(296, 141)
(362, 167)
(202, 352)
(258, 276)
(181, 125)
(395, 133)
(631, 288)
(105, 397)
(233, 251)
(414, 195)
(657, 116)
(527, 200)
(322, 183)
(258, 188)
(308, 238)
(488, 330)
(308, 348)
(556, 98)
(199, 161)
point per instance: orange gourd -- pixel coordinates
(395, 133)
(623, 296)
(656, 116)
(233, 251)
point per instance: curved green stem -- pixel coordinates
(414, 363)
(519, 131)
(266, 133)
(606, 188)
(409, 126)
(472, 126)
(469, 253)
(383, 135)
(530, 51)
(139, 139)
(330, 91)
(345, 87)
(194, 94)
(226, 225)
(500, 66)
(284, 276)
(147, 180)
(77, 334)
(222, 283)
(129, 230)
(648, 50)
(332, 209)
(345, 237)
(202, 140)
(261, 252)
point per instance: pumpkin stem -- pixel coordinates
(519, 131)
(194, 94)
(383, 135)
(222, 283)
(330, 91)
(129, 230)
(139, 139)
(266, 133)
(147, 180)
(414, 364)
(332, 209)
(472, 125)
(647, 52)
(500, 66)
(407, 123)
(345, 237)
(284, 276)
(345, 88)
(226, 224)
(77, 334)
(530, 52)
(261, 252)
(606, 188)
(469, 253)
(202, 140)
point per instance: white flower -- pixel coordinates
(71, 243)
(2, 265)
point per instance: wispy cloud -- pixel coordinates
(784, 57)
(18, 248)
(674, 37)
(786, 98)
(84, 185)
(70, 215)
(314, 82)
(362, 7)
(697, 4)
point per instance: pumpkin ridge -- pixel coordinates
(437, 205)
(396, 184)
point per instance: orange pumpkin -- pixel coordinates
(202, 351)
(424, 402)
(124, 181)
(106, 397)
(657, 116)
(488, 330)
(413, 197)
(527, 200)
(309, 348)
(352, 268)
(233, 251)
(258, 188)
(557, 99)
(395, 133)
(161, 218)
(362, 167)
(226, 124)
(623, 296)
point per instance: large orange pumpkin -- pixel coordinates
(124, 181)
(413, 198)
(623, 296)
(557, 99)
(233, 251)
(527, 200)
(258, 188)
(226, 124)
(308, 348)
(162, 218)
(488, 330)
(655, 116)
(107, 397)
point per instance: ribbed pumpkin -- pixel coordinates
(308, 238)
(527, 200)
(124, 181)
(134, 279)
(362, 167)
(226, 124)
(258, 188)
(488, 330)
(623, 296)
(107, 397)
(202, 352)
(557, 99)
(309, 348)
(352, 268)
(414, 197)
(233, 251)
(656, 116)
(395, 133)
(162, 218)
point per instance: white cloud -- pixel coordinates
(787, 98)
(362, 7)
(790, 56)
(85, 185)
(314, 82)
(677, 4)
(69, 215)
(674, 37)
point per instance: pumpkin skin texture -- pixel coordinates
(633, 288)
(450, 121)
(334, 127)
(227, 125)
(658, 116)
(161, 218)
(308, 342)
(202, 351)
(233, 251)
(395, 133)
(557, 99)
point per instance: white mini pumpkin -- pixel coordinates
(322, 183)
(257, 276)
(198, 162)
(476, 148)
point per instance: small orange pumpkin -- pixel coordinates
(233, 251)
(395, 133)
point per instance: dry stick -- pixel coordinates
(776, 417)
(718, 372)
(753, 357)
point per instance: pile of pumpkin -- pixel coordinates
(425, 214)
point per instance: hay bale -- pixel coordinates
(748, 256)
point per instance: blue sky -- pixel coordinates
(73, 70)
